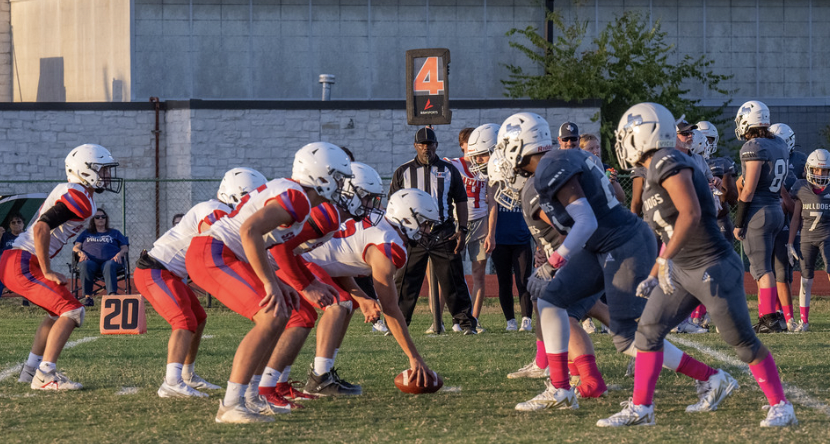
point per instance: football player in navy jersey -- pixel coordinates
(696, 265)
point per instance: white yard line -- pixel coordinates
(14, 369)
(794, 393)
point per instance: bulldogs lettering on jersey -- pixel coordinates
(706, 243)
(550, 237)
(615, 223)
(287, 193)
(78, 201)
(774, 155)
(815, 211)
(345, 254)
(171, 248)
(476, 189)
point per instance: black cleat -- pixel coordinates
(770, 323)
(327, 385)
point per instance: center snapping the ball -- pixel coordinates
(405, 382)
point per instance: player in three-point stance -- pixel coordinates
(26, 269)
(812, 214)
(161, 274)
(697, 265)
(230, 261)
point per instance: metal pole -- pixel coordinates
(327, 80)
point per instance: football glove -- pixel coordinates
(539, 280)
(793, 254)
(644, 288)
(665, 268)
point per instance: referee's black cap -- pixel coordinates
(425, 135)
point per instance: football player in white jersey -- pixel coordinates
(161, 274)
(26, 268)
(230, 261)
(362, 249)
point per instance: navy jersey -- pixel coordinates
(546, 235)
(615, 224)
(815, 211)
(721, 166)
(774, 155)
(706, 243)
(638, 171)
(798, 162)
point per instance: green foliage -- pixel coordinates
(626, 63)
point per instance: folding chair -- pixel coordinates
(76, 286)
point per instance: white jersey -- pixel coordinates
(171, 248)
(287, 193)
(344, 254)
(78, 201)
(475, 187)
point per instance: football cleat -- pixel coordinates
(287, 391)
(196, 381)
(479, 327)
(687, 327)
(512, 325)
(792, 325)
(713, 391)
(271, 395)
(344, 383)
(780, 415)
(588, 326)
(529, 371)
(180, 390)
(238, 414)
(769, 323)
(631, 415)
(629, 369)
(431, 329)
(527, 324)
(27, 374)
(327, 385)
(379, 326)
(551, 398)
(262, 406)
(53, 380)
(802, 327)
(456, 328)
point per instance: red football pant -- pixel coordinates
(306, 316)
(171, 297)
(21, 273)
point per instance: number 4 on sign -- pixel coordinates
(427, 78)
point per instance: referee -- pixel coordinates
(442, 181)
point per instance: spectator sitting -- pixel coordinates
(100, 249)
(7, 238)
(177, 218)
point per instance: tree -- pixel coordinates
(625, 64)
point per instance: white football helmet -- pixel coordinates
(643, 128)
(93, 166)
(324, 168)
(521, 136)
(365, 193)
(818, 160)
(751, 114)
(237, 183)
(414, 212)
(712, 137)
(482, 141)
(784, 131)
(507, 183)
(698, 145)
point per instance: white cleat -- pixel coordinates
(780, 415)
(27, 374)
(802, 327)
(527, 324)
(238, 414)
(529, 371)
(713, 391)
(180, 390)
(512, 325)
(379, 326)
(588, 326)
(53, 380)
(688, 327)
(262, 407)
(456, 328)
(551, 398)
(431, 329)
(631, 415)
(792, 325)
(196, 381)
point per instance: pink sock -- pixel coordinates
(541, 357)
(805, 315)
(592, 381)
(788, 312)
(558, 364)
(693, 368)
(766, 300)
(699, 312)
(646, 371)
(777, 302)
(766, 373)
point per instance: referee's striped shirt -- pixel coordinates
(440, 179)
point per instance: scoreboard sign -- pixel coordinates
(427, 87)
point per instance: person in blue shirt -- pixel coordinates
(7, 238)
(513, 256)
(100, 249)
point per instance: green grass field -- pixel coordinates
(477, 407)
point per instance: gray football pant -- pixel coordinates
(759, 241)
(720, 288)
(617, 273)
(781, 258)
(810, 251)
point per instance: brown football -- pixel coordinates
(407, 385)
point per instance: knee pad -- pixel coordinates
(630, 351)
(347, 305)
(746, 353)
(76, 315)
(52, 317)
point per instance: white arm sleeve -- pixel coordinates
(585, 223)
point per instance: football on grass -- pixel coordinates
(405, 382)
